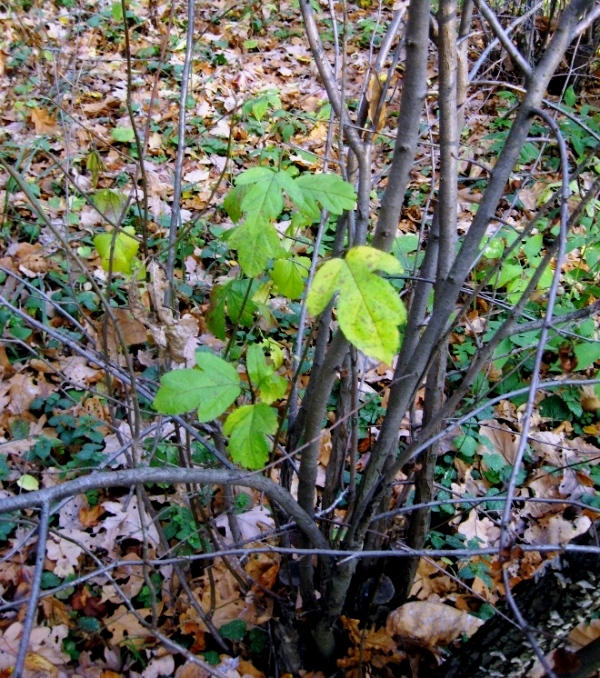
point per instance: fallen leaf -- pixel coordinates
(43, 121)
(124, 626)
(430, 624)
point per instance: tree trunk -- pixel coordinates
(565, 592)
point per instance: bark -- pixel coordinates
(413, 95)
(565, 592)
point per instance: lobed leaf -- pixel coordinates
(121, 249)
(248, 428)
(328, 190)
(369, 309)
(290, 276)
(210, 388)
(255, 244)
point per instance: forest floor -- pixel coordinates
(67, 79)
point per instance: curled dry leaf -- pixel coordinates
(263, 569)
(430, 624)
(589, 399)
(373, 646)
(178, 339)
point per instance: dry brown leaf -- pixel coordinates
(24, 389)
(77, 370)
(584, 633)
(431, 581)
(251, 523)
(55, 611)
(100, 106)
(246, 668)
(589, 399)
(503, 439)
(263, 568)
(370, 646)
(430, 624)
(556, 530)
(482, 529)
(191, 628)
(159, 666)
(131, 329)
(44, 122)
(125, 627)
(45, 645)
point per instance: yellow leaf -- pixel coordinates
(29, 483)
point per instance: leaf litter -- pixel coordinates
(115, 528)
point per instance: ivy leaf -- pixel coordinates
(255, 243)
(270, 386)
(210, 388)
(290, 276)
(328, 190)
(369, 309)
(248, 428)
(122, 253)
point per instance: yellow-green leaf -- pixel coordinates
(28, 483)
(210, 388)
(248, 428)
(368, 307)
(119, 248)
(290, 276)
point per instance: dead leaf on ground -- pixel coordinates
(369, 646)
(124, 626)
(43, 121)
(430, 624)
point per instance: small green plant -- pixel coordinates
(368, 308)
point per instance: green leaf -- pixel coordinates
(215, 318)
(89, 625)
(211, 388)
(466, 445)
(231, 300)
(290, 276)
(265, 199)
(119, 248)
(123, 134)
(570, 98)
(328, 190)
(117, 11)
(554, 407)
(248, 428)
(262, 199)
(494, 249)
(369, 309)
(240, 307)
(532, 247)
(255, 243)
(328, 280)
(587, 354)
(235, 630)
(233, 202)
(262, 375)
(509, 272)
(110, 203)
